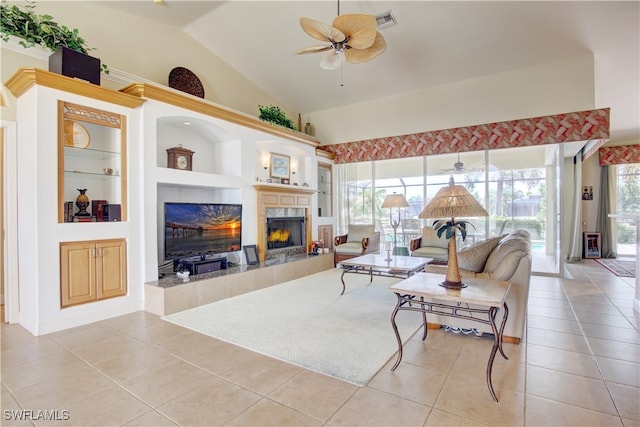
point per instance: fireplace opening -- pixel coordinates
(285, 232)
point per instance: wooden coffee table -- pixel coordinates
(399, 266)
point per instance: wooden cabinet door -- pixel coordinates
(77, 273)
(111, 268)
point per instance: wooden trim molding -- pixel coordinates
(25, 78)
(619, 155)
(558, 128)
(321, 153)
(193, 103)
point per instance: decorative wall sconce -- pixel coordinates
(265, 161)
(294, 167)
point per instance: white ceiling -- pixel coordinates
(434, 43)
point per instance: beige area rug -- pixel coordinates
(307, 323)
(619, 268)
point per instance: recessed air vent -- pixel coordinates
(385, 20)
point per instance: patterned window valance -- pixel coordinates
(619, 155)
(568, 127)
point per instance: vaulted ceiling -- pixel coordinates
(434, 43)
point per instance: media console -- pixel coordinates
(199, 265)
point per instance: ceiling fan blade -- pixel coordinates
(358, 56)
(360, 28)
(331, 61)
(321, 31)
(312, 49)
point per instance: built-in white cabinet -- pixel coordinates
(75, 135)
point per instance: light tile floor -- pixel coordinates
(578, 366)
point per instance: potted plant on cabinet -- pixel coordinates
(70, 51)
(273, 114)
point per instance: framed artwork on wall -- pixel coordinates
(279, 166)
(251, 254)
(592, 245)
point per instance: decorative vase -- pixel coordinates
(71, 63)
(309, 130)
(82, 202)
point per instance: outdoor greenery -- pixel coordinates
(628, 200)
(39, 29)
(273, 114)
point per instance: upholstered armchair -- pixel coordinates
(429, 245)
(359, 240)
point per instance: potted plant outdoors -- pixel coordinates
(70, 51)
(275, 115)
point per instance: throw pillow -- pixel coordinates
(508, 244)
(475, 256)
(430, 238)
(358, 232)
(508, 266)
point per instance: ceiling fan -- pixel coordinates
(458, 167)
(354, 37)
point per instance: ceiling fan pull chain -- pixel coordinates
(338, 7)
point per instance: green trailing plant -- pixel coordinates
(35, 29)
(449, 227)
(273, 114)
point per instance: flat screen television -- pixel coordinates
(200, 229)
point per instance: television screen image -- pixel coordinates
(197, 229)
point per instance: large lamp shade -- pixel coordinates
(449, 202)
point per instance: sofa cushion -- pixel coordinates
(430, 238)
(349, 248)
(358, 232)
(507, 266)
(438, 254)
(474, 257)
(513, 242)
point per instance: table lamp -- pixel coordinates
(395, 201)
(449, 202)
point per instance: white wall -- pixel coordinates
(553, 88)
(146, 49)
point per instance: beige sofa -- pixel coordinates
(507, 258)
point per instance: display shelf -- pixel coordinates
(90, 153)
(175, 177)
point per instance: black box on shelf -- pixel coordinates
(111, 212)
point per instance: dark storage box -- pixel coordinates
(70, 63)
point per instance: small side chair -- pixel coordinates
(359, 240)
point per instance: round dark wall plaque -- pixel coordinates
(184, 80)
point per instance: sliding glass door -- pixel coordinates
(519, 187)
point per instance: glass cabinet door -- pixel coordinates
(325, 205)
(91, 164)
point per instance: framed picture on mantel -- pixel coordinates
(279, 166)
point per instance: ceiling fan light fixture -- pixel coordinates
(352, 36)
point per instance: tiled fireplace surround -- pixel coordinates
(290, 221)
(282, 201)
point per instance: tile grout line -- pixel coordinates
(592, 354)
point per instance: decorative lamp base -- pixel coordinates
(452, 285)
